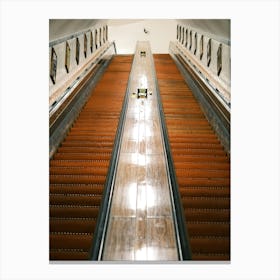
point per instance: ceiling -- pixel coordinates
(217, 28)
(59, 28)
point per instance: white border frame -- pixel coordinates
(24, 138)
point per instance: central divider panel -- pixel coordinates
(141, 222)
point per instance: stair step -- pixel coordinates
(72, 225)
(210, 244)
(205, 202)
(66, 211)
(70, 241)
(214, 228)
(75, 199)
(78, 163)
(77, 188)
(77, 179)
(83, 156)
(204, 191)
(79, 170)
(207, 215)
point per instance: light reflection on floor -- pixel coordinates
(141, 226)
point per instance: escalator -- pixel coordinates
(201, 164)
(79, 167)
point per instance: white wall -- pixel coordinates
(223, 81)
(58, 28)
(218, 29)
(126, 33)
(63, 79)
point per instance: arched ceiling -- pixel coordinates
(59, 28)
(217, 28)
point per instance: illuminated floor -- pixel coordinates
(141, 226)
